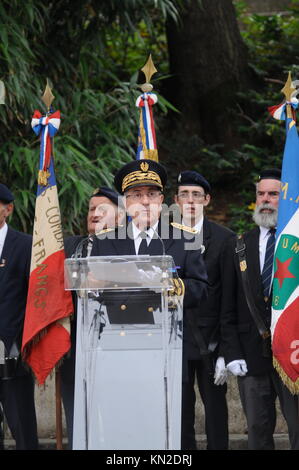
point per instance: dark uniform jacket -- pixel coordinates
(14, 278)
(189, 263)
(71, 244)
(207, 315)
(241, 339)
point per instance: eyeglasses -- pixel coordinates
(151, 195)
(196, 195)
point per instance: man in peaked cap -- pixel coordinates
(105, 210)
(16, 383)
(142, 183)
(202, 351)
(246, 321)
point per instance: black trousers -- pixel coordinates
(215, 405)
(1, 429)
(258, 396)
(17, 398)
(67, 373)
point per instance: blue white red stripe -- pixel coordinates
(46, 127)
(147, 134)
(278, 111)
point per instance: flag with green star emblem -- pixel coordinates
(285, 302)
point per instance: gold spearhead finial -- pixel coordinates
(48, 96)
(148, 69)
(288, 89)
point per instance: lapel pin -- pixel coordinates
(2, 264)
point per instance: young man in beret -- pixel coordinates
(16, 382)
(246, 320)
(202, 352)
(105, 210)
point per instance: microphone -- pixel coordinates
(159, 238)
(77, 266)
(165, 273)
(79, 249)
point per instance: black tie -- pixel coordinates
(268, 264)
(87, 247)
(143, 248)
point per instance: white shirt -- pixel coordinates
(3, 232)
(264, 235)
(136, 235)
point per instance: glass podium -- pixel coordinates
(128, 353)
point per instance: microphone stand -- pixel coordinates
(165, 277)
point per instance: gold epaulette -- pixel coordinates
(106, 230)
(184, 227)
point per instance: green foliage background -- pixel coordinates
(273, 42)
(91, 52)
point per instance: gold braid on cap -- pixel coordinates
(141, 177)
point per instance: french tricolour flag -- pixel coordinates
(46, 336)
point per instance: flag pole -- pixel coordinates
(147, 146)
(48, 98)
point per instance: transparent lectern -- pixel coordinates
(128, 353)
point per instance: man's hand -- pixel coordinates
(237, 367)
(220, 374)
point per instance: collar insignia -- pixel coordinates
(184, 227)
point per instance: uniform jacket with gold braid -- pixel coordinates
(191, 268)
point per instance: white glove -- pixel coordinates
(220, 374)
(237, 367)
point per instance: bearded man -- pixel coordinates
(246, 320)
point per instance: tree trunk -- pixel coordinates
(208, 64)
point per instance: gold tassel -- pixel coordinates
(43, 177)
(151, 154)
(292, 386)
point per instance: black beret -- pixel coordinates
(5, 194)
(270, 174)
(144, 172)
(192, 178)
(109, 193)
